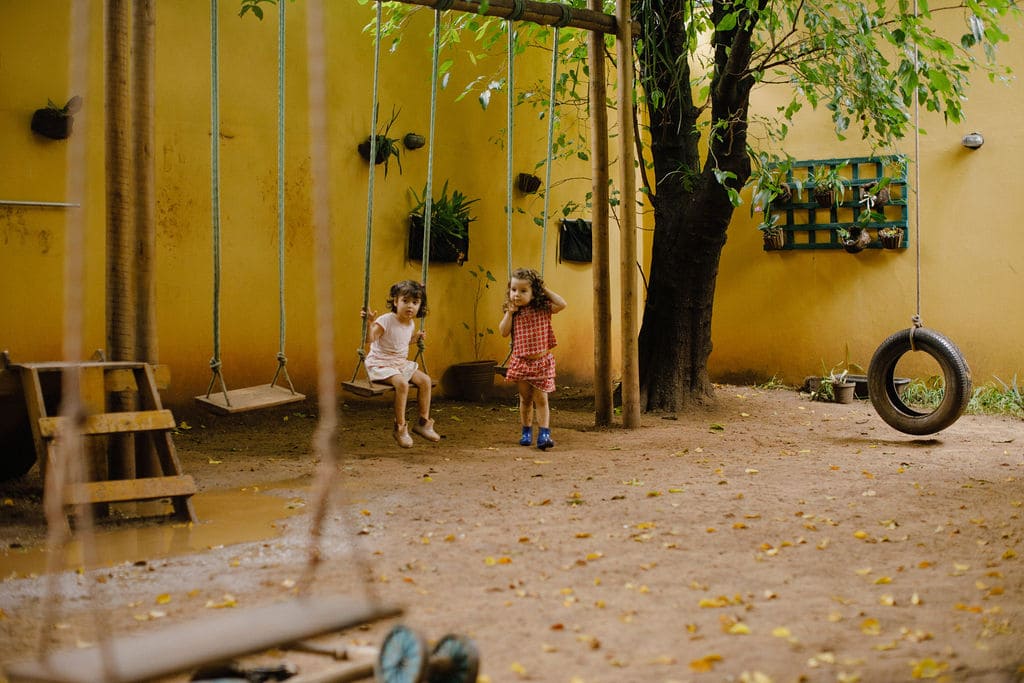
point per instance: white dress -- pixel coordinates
(389, 355)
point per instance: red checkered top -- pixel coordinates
(532, 333)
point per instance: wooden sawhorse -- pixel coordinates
(97, 380)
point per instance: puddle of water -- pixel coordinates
(225, 518)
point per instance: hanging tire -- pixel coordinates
(886, 397)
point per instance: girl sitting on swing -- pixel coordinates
(391, 335)
(529, 306)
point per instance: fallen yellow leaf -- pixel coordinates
(705, 663)
(927, 668)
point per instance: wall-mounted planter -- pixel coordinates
(55, 122)
(444, 247)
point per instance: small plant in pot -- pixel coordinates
(771, 231)
(386, 147)
(854, 240)
(828, 186)
(473, 379)
(891, 237)
(449, 226)
(54, 121)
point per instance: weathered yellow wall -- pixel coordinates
(34, 65)
(785, 313)
(776, 313)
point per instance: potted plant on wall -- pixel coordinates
(387, 147)
(449, 226)
(771, 231)
(828, 186)
(891, 237)
(53, 121)
(473, 379)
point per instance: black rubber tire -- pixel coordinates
(886, 398)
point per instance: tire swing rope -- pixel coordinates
(885, 397)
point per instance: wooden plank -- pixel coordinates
(364, 387)
(123, 379)
(120, 490)
(113, 423)
(214, 638)
(249, 398)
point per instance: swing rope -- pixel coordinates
(547, 160)
(508, 156)
(282, 359)
(428, 200)
(551, 137)
(917, 196)
(215, 362)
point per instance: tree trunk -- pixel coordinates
(691, 208)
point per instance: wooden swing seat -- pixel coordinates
(191, 644)
(364, 387)
(249, 398)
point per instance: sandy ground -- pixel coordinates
(767, 539)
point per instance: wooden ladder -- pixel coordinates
(97, 380)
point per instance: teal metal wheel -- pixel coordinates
(402, 658)
(455, 660)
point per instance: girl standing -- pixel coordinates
(528, 308)
(388, 361)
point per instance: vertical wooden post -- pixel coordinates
(602, 268)
(628, 248)
(120, 277)
(143, 104)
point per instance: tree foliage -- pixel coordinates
(868, 63)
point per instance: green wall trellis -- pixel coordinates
(806, 225)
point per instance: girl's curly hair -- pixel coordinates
(410, 289)
(540, 298)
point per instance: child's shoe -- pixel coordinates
(425, 428)
(527, 438)
(402, 435)
(544, 441)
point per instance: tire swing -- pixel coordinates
(365, 386)
(885, 397)
(564, 21)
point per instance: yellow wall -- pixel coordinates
(785, 313)
(776, 313)
(33, 66)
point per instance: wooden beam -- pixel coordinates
(120, 490)
(544, 13)
(113, 423)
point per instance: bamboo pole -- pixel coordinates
(627, 236)
(545, 13)
(603, 407)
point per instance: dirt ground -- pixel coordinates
(766, 539)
